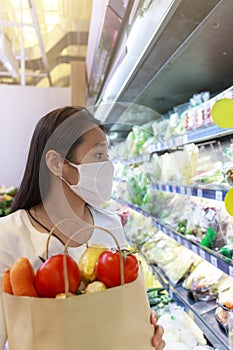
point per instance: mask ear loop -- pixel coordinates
(74, 166)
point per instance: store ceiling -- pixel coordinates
(40, 38)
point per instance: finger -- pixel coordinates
(157, 338)
(161, 345)
(154, 317)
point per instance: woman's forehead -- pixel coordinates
(95, 138)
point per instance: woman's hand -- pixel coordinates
(157, 340)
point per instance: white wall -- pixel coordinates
(20, 109)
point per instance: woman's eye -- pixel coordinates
(101, 156)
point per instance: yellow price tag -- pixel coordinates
(222, 113)
(228, 200)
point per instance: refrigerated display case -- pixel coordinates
(175, 51)
(188, 208)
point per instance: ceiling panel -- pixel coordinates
(39, 39)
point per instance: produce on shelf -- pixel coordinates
(190, 162)
(6, 198)
(205, 281)
(183, 264)
(227, 167)
(158, 298)
(225, 304)
(136, 139)
(160, 249)
(137, 187)
(180, 332)
(175, 260)
(139, 229)
(152, 169)
(150, 278)
(168, 127)
(204, 222)
(225, 295)
(227, 250)
(222, 317)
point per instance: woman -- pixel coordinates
(67, 176)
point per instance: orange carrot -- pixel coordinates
(22, 278)
(6, 284)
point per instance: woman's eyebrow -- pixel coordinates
(101, 144)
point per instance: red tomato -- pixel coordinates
(49, 280)
(108, 268)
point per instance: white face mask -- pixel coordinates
(95, 182)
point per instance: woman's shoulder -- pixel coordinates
(12, 220)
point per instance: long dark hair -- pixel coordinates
(61, 130)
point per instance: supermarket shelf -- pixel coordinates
(223, 263)
(202, 312)
(209, 193)
(198, 135)
(192, 191)
(135, 160)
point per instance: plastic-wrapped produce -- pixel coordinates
(204, 281)
(182, 264)
(152, 169)
(190, 162)
(180, 332)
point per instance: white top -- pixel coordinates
(18, 238)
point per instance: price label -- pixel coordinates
(185, 139)
(176, 141)
(214, 260)
(199, 192)
(182, 190)
(202, 254)
(174, 189)
(170, 143)
(140, 159)
(231, 271)
(160, 187)
(210, 214)
(194, 249)
(172, 235)
(167, 188)
(218, 195)
(171, 293)
(189, 191)
(186, 244)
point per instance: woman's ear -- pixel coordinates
(54, 162)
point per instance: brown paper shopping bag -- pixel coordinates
(114, 319)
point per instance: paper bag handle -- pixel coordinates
(71, 238)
